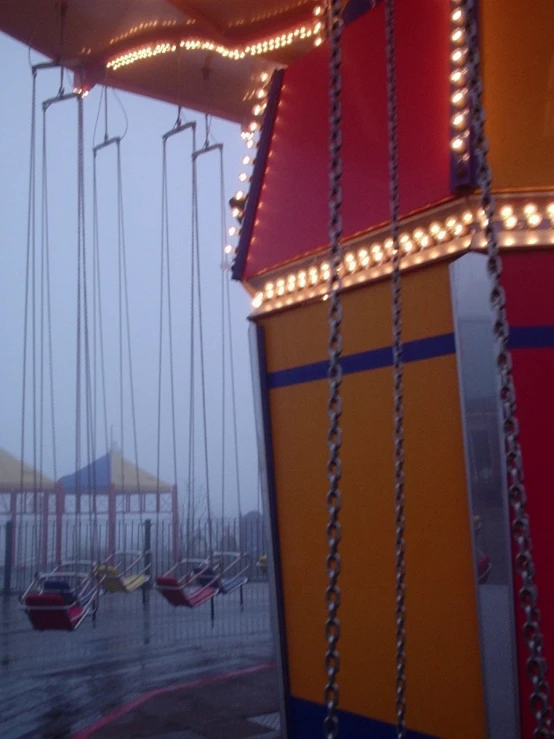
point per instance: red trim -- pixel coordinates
(128, 707)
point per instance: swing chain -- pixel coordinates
(398, 373)
(525, 566)
(334, 436)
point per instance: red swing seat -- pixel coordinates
(186, 597)
(50, 612)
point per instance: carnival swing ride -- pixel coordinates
(380, 134)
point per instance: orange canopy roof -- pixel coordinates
(203, 54)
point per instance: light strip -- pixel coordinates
(279, 41)
(459, 96)
(368, 258)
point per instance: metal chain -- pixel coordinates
(398, 374)
(334, 436)
(525, 566)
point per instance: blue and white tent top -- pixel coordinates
(11, 479)
(113, 469)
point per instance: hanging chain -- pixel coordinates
(525, 566)
(334, 436)
(398, 374)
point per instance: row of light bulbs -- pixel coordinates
(459, 121)
(379, 253)
(299, 33)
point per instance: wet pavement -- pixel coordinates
(55, 684)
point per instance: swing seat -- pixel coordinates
(114, 583)
(178, 596)
(228, 584)
(50, 612)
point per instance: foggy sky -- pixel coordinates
(142, 158)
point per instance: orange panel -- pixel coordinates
(518, 65)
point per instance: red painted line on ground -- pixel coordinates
(128, 707)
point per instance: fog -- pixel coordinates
(141, 151)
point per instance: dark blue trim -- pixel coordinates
(356, 8)
(239, 262)
(531, 337)
(273, 518)
(307, 721)
(414, 351)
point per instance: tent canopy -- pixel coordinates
(204, 54)
(10, 476)
(113, 469)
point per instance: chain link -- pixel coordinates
(398, 375)
(525, 566)
(334, 436)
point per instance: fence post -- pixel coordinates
(148, 548)
(8, 558)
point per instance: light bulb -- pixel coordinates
(264, 76)
(418, 234)
(239, 195)
(280, 287)
(450, 223)
(434, 228)
(232, 231)
(243, 177)
(261, 93)
(529, 209)
(258, 300)
(302, 279)
(459, 121)
(314, 276)
(467, 217)
(246, 160)
(534, 220)
(318, 10)
(458, 37)
(291, 283)
(459, 98)
(506, 211)
(318, 41)
(235, 212)
(458, 145)
(228, 248)
(510, 222)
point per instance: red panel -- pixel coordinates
(293, 212)
(527, 279)
(533, 373)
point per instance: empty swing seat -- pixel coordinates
(113, 582)
(188, 597)
(228, 584)
(49, 612)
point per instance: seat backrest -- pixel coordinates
(57, 585)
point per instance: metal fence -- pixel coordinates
(29, 547)
(140, 621)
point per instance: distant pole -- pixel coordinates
(8, 560)
(148, 547)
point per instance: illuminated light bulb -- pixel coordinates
(363, 257)
(261, 93)
(534, 220)
(325, 271)
(418, 234)
(442, 235)
(246, 160)
(450, 223)
(458, 37)
(506, 211)
(243, 177)
(434, 228)
(377, 254)
(264, 76)
(458, 77)
(458, 145)
(269, 290)
(457, 16)
(291, 283)
(388, 244)
(318, 41)
(458, 229)
(302, 279)
(314, 275)
(258, 300)
(404, 238)
(459, 98)
(318, 27)
(459, 121)
(235, 212)
(408, 246)
(250, 144)
(239, 195)
(529, 209)
(228, 249)
(258, 109)
(253, 126)
(425, 241)
(351, 265)
(510, 222)
(467, 217)
(458, 56)
(280, 285)
(550, 210)
(318, 10)
(233, 231)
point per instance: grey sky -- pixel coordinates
(142, 156)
